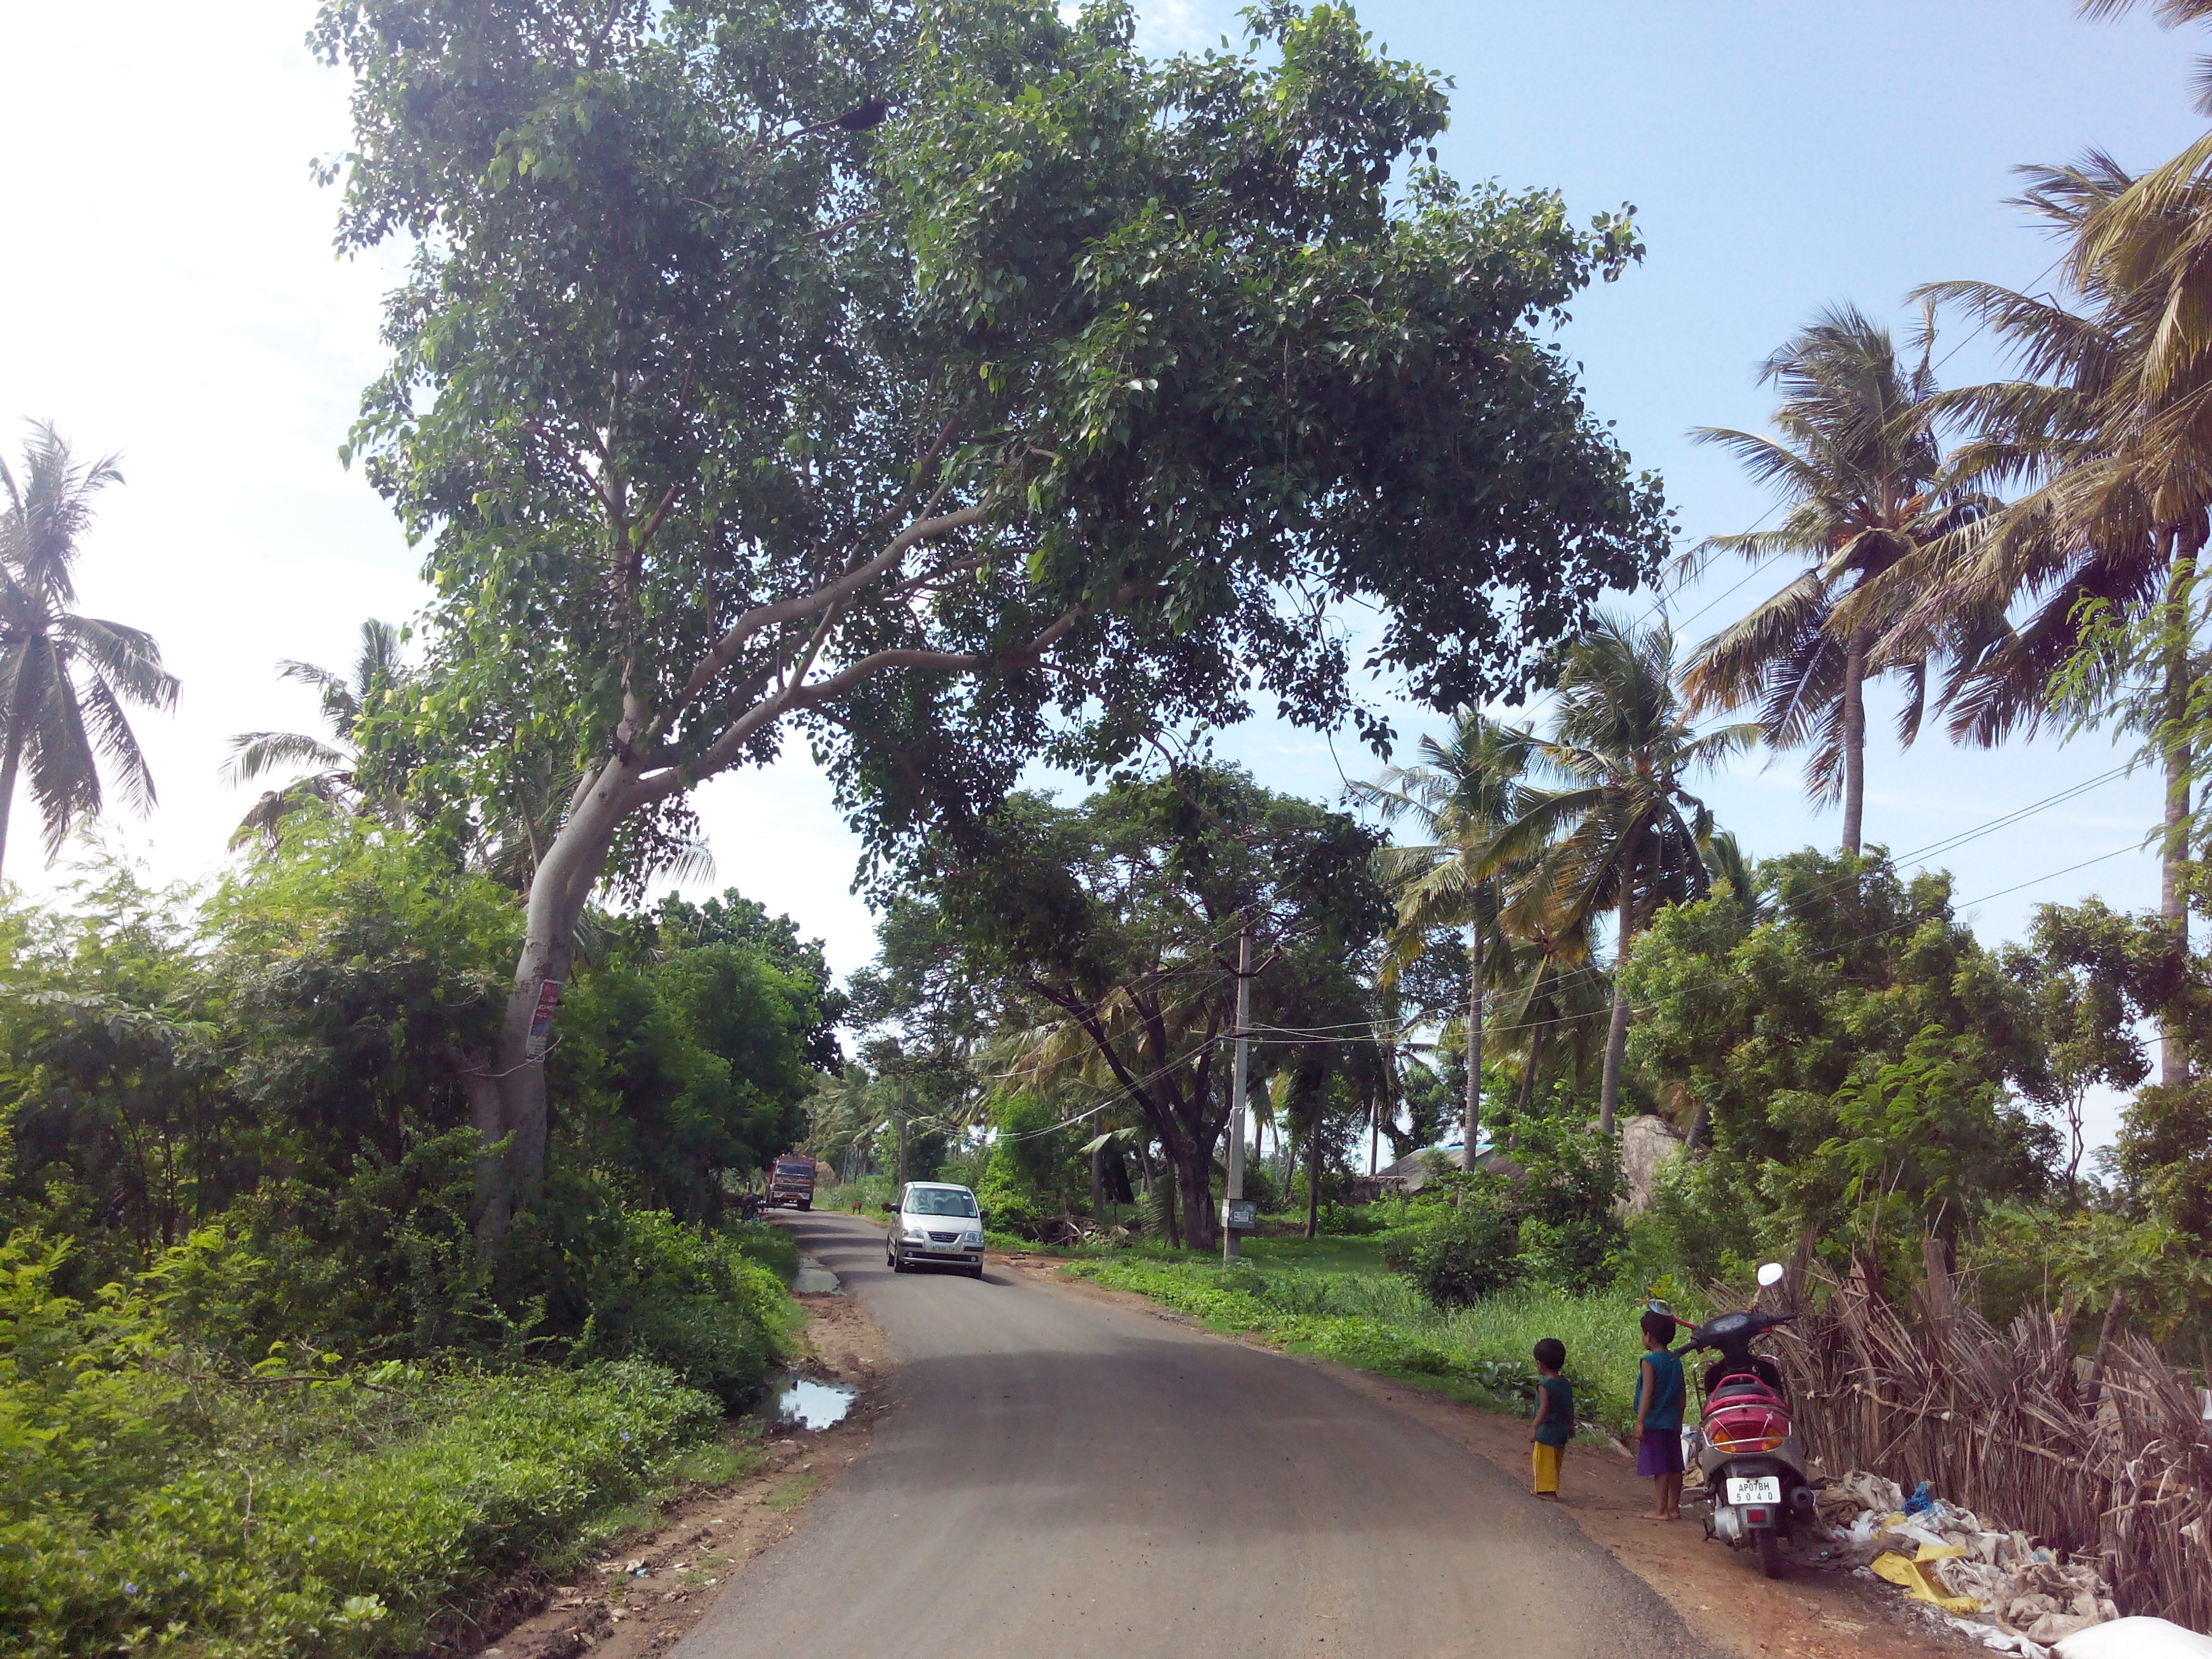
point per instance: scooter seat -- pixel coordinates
(1744, 1389)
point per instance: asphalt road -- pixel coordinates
(1063, 1478)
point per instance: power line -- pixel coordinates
(1950, 843)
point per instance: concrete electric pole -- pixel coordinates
(1233, 1196)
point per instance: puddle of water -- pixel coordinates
(812, 1405)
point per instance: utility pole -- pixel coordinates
(905, 1105)
(1234, 1192)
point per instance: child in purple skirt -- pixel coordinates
(1659, 1416)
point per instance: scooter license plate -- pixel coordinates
(1758, 1489)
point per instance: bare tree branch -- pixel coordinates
(806, 605)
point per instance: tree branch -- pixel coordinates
(724, 750)
(793, 609)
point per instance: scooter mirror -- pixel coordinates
(1770, 1273)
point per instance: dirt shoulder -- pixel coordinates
(1812, 1614)
(640, 1599)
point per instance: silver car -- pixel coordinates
(935, 1221)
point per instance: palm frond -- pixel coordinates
(256, 754)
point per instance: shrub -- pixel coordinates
(1461, 1254)
(692, 1301)
(155, 1501)
(296, 1541)
(1260, 1186)
(774, 1247)
(1349, 1220)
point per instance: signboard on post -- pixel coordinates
(1239, 1215)
(541, 1018)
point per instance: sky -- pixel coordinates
(172, 297)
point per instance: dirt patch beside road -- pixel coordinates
(641, 1596)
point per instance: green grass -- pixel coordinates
(1362, 1316)
(793, 1493)
(1322, 1255)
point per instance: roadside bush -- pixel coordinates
(153, 1499)
(1350, 1220)
(1260, 1186)
(295, 1541)
(1461, 1254)
(774, 1247)
(1703, 1226)
(692, 1301)
(863, 1195)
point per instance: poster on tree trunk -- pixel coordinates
(541, 1017)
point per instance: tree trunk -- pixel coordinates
(1194, 1177)
(1696, 1132)
(508, 1180)
(1616, 1036)
(1313, 1178)
(1854, 737)
(1474, 1118)
(2173, 844)
(8, 783)
(1098, 1184)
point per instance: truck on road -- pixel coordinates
(791, 1181)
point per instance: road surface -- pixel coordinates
(1067, 1479)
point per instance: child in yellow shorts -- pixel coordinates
(1555, 1417)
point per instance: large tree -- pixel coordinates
(1785, 1029)
(943, 386)
(65, 678)
(1113, 928)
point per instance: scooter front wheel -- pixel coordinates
(1770, 1551)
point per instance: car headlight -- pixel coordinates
(919, 1233)
(973, 1240)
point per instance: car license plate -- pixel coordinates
(1759, 1489)
(945, 1249)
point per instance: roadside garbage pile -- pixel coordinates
(1995, 1584)
(2105, 1457)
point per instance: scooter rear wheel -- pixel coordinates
(1770, 1551)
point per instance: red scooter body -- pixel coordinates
(1753, 1468)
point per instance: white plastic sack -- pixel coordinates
(2136, 1639)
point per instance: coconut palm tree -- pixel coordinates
(2171, 13)
(64, 679)
(1466, 790)
(1867, 485)
(1552, 1001)
(2108, 443)
(1623, 834)
(334, 777)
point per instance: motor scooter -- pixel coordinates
(1746, 1448)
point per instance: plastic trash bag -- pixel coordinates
(2136, 1639)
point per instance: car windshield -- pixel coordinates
(939, 1200)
